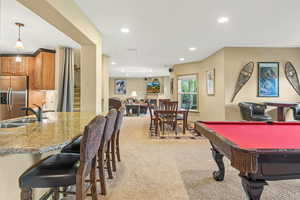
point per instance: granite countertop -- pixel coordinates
(53, 133)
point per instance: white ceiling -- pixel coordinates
(163, 30)
(36, 34)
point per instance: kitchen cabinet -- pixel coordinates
(48, 71)
(40, 67)
(6, 66)
(9, 66)
(21, 68)
(42, 73)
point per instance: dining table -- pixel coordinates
(280, 108)
(159, 112)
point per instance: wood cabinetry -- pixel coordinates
(5, 66)
(48, 71)
(9, 66)
(40, 67)
(43, 73)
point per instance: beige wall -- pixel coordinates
(228, 63)
(209, 107)
(235, 58)
(139, 85)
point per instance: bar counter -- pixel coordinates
(39, 137)
(22, 147)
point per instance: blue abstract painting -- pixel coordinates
(268, 79)
(120, 87)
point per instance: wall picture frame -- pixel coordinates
(120, 86)
(210, 82)
(268, 79)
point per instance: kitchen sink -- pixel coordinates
(17, 122)
(23, 120)
(11, 125)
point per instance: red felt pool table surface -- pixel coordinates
(259, 135)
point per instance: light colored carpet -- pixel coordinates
(153, 169)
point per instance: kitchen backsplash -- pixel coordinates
(50, 100)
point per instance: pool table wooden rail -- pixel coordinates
(267, 164)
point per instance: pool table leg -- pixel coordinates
(253, 188)
(218, 157)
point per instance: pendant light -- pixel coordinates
(18, 58)
(19, 43)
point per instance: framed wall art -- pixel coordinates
(210, 82)
(268, 79)
(120, 86)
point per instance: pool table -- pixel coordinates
(261, 151)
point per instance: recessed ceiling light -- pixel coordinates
(113, 63)
(125, 30)
(223, 20)
(181, 59)
(192, 48)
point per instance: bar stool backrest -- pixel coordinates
(110, 124)
(91, 139)
(120, 118)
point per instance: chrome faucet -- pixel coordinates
(38, 113)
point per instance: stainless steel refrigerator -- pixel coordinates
(13, 95)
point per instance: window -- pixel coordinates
(188, 92)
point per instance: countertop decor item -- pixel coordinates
(292, 76)
(244, 76)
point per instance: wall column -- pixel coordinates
(67, 17)
(90, 79)
(105, 83)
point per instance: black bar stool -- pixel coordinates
(66, 169)
(115, 145)
(105, 151)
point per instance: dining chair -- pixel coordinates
(161, 103)
(67, 169)
(184, 117)
(153, 117)
(169, 116)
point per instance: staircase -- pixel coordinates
(76, 106)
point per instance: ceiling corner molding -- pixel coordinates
(43, 50)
